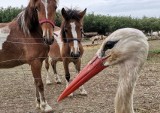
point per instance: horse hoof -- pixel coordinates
(46, 109)
(48, 82)
(84, 93)
(71, 95)
(58, 82)
(37, 106)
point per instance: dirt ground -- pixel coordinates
(17, 91)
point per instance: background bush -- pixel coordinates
(96, 23)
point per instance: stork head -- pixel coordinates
(122, 46)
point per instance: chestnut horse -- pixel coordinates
(67, 47)
(25, 40)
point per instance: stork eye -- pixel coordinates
(109, 45)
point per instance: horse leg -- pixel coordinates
(48, 79)
(37, 98)
(92, 42)
(36, 66)
(78, 66)
(57, 77)
(67, 74)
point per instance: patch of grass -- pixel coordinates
(157, 51)
(154, 56)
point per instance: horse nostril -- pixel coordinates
(79, 53)
(75, 56)
(72, 54)
(44, 40)
(44, 37)
(52, 40)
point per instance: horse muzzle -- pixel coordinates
(48, 41)
(75, 55)
(47, 29)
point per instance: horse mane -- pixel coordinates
(28, 20)
(72, 14)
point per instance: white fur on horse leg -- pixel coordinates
(48, 79)
(82, 91)
(67, 83)
(37, 104)
(44, 106)
(57, 79)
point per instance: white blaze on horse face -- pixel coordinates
(47, 33)
(45, 3)
(44, 31)
(4, 32)
(74, 34)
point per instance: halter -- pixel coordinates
(47, 21)
(68, 40)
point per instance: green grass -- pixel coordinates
(156, 51)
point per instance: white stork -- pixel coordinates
(127, 48)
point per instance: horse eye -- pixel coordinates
(55, 7)
(36, 9)
(65, 29)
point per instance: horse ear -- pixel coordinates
(81, 14)
(64, 13)
(32, 3)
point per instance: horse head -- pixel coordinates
(40, 14)
(72, 30)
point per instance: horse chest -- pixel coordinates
(36, 51)
(4, 32)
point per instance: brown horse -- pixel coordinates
(67, 47)
(26, 40)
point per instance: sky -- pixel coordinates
(134, 8)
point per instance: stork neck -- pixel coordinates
(124, 96)
(124, 99)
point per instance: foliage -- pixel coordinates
(96, 23)
(7, 14)
(58, 18)
(103, 24)
(157, 51)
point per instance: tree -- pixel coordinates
(95, 23)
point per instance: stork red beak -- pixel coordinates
(91, 69)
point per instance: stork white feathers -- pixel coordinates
(129, 53)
